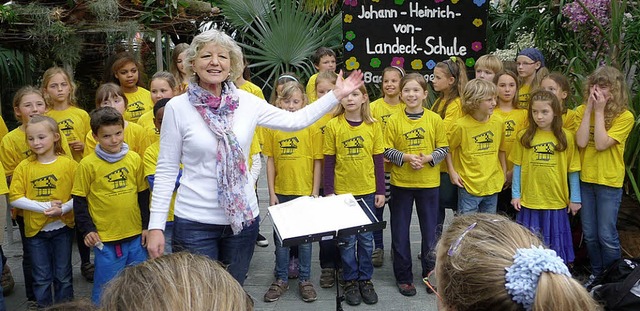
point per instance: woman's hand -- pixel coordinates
(155, 243)
(344, 87)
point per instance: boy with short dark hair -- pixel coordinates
(111, 200)
(324, 59)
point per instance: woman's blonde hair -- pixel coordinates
(471, 262)
(179, 282)
(222, 40)
(52, 125)
(288, 89)
(613, 78)
(476, 91)
(365, 110)
(46, 78)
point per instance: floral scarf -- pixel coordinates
(231, 171)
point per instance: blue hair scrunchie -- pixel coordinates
(523, 275)
(534, 54)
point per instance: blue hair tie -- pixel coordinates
(523, 275)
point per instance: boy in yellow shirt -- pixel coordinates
(478, 164)
(324, 59)
(111, 200)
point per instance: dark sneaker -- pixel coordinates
(369, 295)
(262, 241)
(352, 293)
(407, 289)
(7, 281)
(87, 269)
(377, 258)
(327, 278)
(307, 292)
(276, 290)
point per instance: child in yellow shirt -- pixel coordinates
(126, 71)
(163, 85)
(558, 84)
(324, 59)
(487, 66)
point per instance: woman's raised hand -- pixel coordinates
(344, 86)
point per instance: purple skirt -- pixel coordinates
(552, 227)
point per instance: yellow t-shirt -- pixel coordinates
(569, 121)
(523, 96)
(252, 88)
(381, 110)
(293, 154)
(14, 149)
(139, 102)
(544, 170)
(74, 124)
(451, 115)
(514, 121)
(112, 192)
(4, 189)
(414, 137)
(605, 167)
(311, 88)
(146, 121)
(43, 183)
(354, 148)
(475, 147)
(134, 135)
(150, 161)
(3, 128)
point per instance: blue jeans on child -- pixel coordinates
(470, 204)
(218, 243)
(356, 265)
(51, 264)
(112, 259)
(282, 253)
(599, 215)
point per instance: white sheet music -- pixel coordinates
(307, 215)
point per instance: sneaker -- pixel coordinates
(276, 290)
(307, 292)
(262, 241)
(327, 278)
(369, 295)
(294, 268)
(377, 258)
(407, 289)
(352, 293)
(32, 306)
(7, 281)
(87, 269)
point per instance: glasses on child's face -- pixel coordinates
(522, 64)
(432, 283)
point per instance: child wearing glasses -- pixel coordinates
(531, 70)
(487, 262)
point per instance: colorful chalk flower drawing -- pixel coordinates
(431, 64)
(476, 46)
(398, 2)
(479, 3)
(348, 18)
(416, 64)
(350, 35)
(477, 22)
(348, 46)
(375, 62)
(397, 61)
(351, 2)
(352, 63)
(470, 62)
(439, 1)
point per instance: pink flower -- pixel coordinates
(397, 61)
(476, 46)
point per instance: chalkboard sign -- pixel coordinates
(414, 35)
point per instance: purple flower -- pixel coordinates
(397, 61)
(476, 46)
(351, 2)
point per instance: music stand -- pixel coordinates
(308, 219)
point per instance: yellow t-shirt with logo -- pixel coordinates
(293, 154)
(523, 96)
(14, 149)
(569, 121)
(43, 183)
(605, 167)
(544, 170)
(74, 123)
(354, 148)
(146, 121)
(150, 161)
(514, 121)
(139, 102)
(381, 111)
(112, 192)
(414, 137)
(134, 135)
(311, 88)
(475, 146)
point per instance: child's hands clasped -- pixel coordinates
(55, 210)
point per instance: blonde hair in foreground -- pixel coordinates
(473, 277)
(178, 282)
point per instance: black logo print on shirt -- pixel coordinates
(288, 146)
(510, 127)
(385, 118)
(66, 126)
(44, 185)
(136, 109)
(544, 151)
(118, 178)
(484, 140)
(414, 137)
(354, 145)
